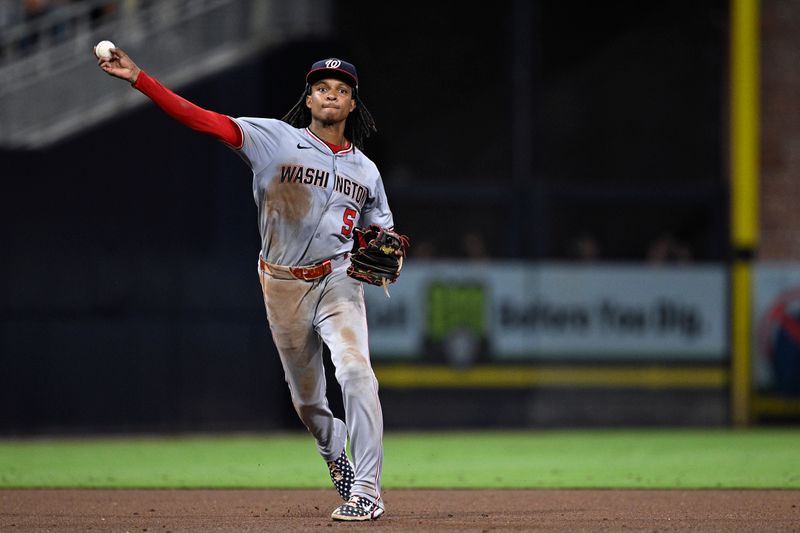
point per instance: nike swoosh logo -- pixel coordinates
(301, 147)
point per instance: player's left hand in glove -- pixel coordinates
(377, 256)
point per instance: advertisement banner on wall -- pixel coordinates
(515, 311)
(776, 328)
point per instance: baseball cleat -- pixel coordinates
(342, 475)
(358, 509)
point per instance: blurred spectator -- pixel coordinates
(101, 13)
(35, 8)
(35, 11)
(473, 245)
(585, 247)
(668, 249)
(49, 21)
(11, 12)
(422, 249)
(32, 11)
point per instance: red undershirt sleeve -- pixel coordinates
(219, 126)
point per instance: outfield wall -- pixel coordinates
(522, 312)
(501, 344)
(552, 345)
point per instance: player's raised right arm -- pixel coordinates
(211, 123)
(120, 66)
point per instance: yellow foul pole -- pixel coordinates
(744, 169)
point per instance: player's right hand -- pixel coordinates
(120, 66)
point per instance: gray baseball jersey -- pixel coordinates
(309, 199)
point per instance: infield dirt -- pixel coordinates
(407, 510)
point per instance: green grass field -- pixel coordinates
(756, 458)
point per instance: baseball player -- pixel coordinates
(313, 188)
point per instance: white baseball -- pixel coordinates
(103, 49)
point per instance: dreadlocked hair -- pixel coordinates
(358, 127)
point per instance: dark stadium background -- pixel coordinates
(129, 251)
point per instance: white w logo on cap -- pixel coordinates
(333, 63)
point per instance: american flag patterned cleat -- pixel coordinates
(358, 509)
(342, 475)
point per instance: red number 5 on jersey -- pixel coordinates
(348, 218)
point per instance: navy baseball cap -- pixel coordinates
(333, 68)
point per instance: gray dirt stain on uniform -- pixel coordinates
(352, 354)
(349, 336)
(287, 312)
(289, 200)
(308, 385)
(283, 298)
